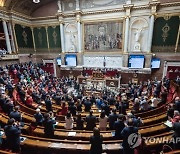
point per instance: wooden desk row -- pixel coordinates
(84, 135)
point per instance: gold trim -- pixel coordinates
(177, 41)
(15, 39)
(34, 44)
(47, 35)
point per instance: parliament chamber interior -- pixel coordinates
(90, 76)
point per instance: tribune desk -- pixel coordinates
(98, 82)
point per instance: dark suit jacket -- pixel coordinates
(48, 105)
(49, 127)
(91, 122)
(16, 115)
(118, 126)
(112, 118)
(96, 144)
(12, 136)
(125, 134)
(176, 128)
(39, 118)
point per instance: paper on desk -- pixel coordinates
(71, 133)
(113, 134)
(22, 139)
(168, 123)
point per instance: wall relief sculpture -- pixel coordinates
(71, 37)
(139, 35)
(85, 4)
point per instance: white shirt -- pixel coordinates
(154, 102)
(69, 123)
(103, 122)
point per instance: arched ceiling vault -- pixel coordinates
(27, 7)
(24, 6)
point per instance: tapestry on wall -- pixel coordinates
(24, 39)
(165, 34)
(54, 39)
(40, 37)
(103, 36)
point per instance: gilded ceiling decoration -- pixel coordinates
(27, 7)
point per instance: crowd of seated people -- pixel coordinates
(34, 87)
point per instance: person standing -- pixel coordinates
(103, 121)
(69, 121)
(13, 132)
(125, 133)
(48, 124)
(96, 142)
(90, 121)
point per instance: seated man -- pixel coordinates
(13, 132)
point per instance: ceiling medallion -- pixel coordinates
(36, 1)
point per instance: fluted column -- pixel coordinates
(79, 37)
(62, 37)
(47, 36)
(34, 45)
(15, 39)
(151, 27)
(8, 44)
(126, 34)
(12, 37)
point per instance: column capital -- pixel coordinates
(154, 4)
(128, 8)
(78, 17)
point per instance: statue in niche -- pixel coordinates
(138, 36)
(59, 6)
(72, 43)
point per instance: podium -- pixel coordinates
(98, 82)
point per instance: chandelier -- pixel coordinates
(36, 1)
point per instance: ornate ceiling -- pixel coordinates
(28, 7)
(24, 6)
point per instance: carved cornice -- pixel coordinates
(13, 15)
(170, 4)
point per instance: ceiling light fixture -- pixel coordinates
(36, 1)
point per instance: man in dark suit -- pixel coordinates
(90, 121)
(112, 118)
(126, 132)
(72, 108)
(48, 103)
(39, 117)
(87, 105)
(119, 126)
(12, 132)
(176, 128)
(48, 124)
(16, 114)
(177, 103)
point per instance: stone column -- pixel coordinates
(79, 37)
(8, 44)
(15, 39)
(126, 35)
(47, 35)
(12, 37)
(62, 37)
(151, 27)
(34, 45)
